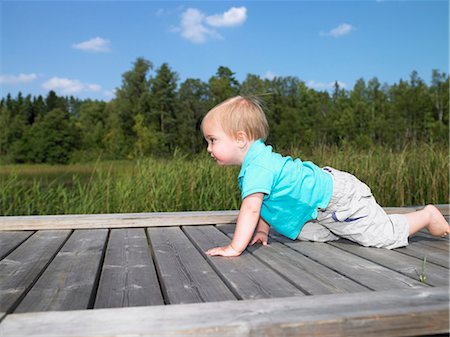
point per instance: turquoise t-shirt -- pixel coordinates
(293, 189)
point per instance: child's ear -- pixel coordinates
(242, 138)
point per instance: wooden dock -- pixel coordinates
(147, 275)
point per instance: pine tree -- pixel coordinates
(222, 86)
(132, 98)
(192, 107)
(163, 106)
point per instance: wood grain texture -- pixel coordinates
(68, 282)
(404, 264)
(387, 313)
(129, 220)
(10, 240)
(367, 273)
(124, 220)
(433, 255)
(185, 275)
(128, 274)
(20, 269)
(431, 241)
(271, 281)
(309, 276)
(248, 277)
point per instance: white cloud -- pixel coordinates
(192, 26)
(17, 79)
(197, 27)
(235, 16)
(67, 86)
(95, 45)
(341, 30)
(324, 86)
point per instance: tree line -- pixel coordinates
(155, 115)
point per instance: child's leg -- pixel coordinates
(354, 214)
(313, 231)
(429, 217)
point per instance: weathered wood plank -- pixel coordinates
(311, 277)
(116, 220)
(10, 240)
(443, 208)
(431, 241)
(185, 276)
(433, 255)
(247, 276)
(425, 233)
(122, 220)
(404, 264)
(399, 210)
(21, 268)
(387, 313)
(128, 275)
(367, 273)
(68, 282)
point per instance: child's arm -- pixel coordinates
(248, 218)
(262, 233)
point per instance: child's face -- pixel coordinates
(223, 148)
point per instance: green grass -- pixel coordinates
(423, 271)
(414, 176)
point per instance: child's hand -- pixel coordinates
(223, 251)
(259, 237)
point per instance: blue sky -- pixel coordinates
(82, 48)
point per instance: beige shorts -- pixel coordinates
(354, 214)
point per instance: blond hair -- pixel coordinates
(240, 114)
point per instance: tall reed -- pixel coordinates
(414, 176)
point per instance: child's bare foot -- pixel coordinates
(438, 225)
